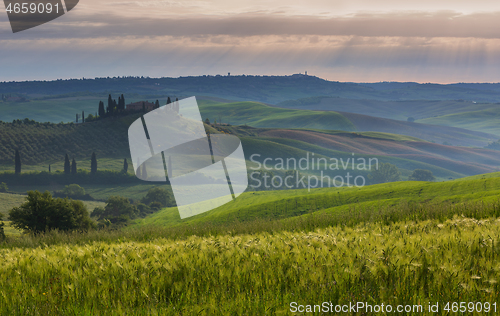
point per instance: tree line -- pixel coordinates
(115, 108)
(69, 167)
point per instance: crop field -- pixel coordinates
(401, 263)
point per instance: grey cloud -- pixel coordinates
(419, 24)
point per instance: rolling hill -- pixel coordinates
(485, 121)
(397, 110)
(260, 115)
(292, 203)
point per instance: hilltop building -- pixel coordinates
(138, 106)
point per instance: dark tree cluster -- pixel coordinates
(41, 212)
(120, 210)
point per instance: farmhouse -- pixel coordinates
(138, 106)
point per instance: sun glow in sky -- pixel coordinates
(364, 40)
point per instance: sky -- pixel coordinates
(441, 41)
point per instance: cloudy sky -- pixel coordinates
(355, 40)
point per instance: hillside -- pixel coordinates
(285, 204)
(432, 133)
(485, 121)
(397, 110)
(458, 159)
(260, 115)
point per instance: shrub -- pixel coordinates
(3, 187)
(159, 195)
(41, 212)
(421, 175)
(118, 211)
(386, 172)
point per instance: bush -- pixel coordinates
(159, 195)
(118, 211)
(386, 172)
(73, 191)
(3, 187)
(143, 209)
(42, 213)
(421, 175)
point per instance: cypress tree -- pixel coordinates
(138, 171)
(144, 171)
(125, 165)
(73, 166)
(169, 101)
(17, 162)
(67, 165)
(157, 104)
(83, 117)
(143, 107)
(109, 110)
(169, 168)
(101, 109)
(93, 164)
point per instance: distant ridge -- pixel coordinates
(267, 89)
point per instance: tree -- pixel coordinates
(67, 165)
(207, 121)
(40, 212)
(123, 103)
(93, 164)
(169, 168)
(73, 190)
(158, 195)
(144, 171)
(109, 110)
(385, 172)
(73, 166)
(2, 233)
(421, 175)
(157, 104)
(17, 162)
(101, 109)
(125, 165)
(118, 210)
(83, 116)
(168, 100)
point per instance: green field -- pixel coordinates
(273, 205)
(422, 243)
(260, 115)
(259, 274)
(481, 120)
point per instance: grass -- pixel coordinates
(422, 243)
(400, 263)
(273, 205)
(259, 115)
